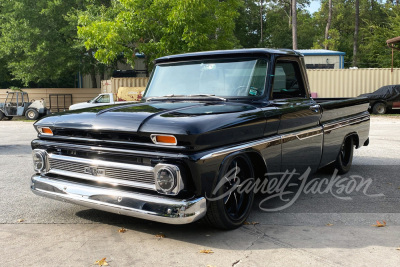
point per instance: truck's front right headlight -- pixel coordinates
(168, 179)
(39, 160)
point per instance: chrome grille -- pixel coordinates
(111, 172)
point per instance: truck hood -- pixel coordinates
(193, 123)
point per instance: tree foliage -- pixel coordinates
(158, 27)
(38, 40)
(47, 42)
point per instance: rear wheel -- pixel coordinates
(379, 108)
(32, 114)
(231, 209)
(345, 158)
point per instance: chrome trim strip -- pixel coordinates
(102, 163)
(144, 206)
(298, 135)
(70, 146)
(345, 122)
(241, 147)
(306, 134)
(102, 179)
(91, 140)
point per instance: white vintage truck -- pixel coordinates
(125, 95)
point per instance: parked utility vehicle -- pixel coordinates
(210, 124)
(125, 95)
(17, 104)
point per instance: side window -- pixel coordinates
(288, 82)
(103, 99)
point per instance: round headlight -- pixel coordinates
(166, 179)
(38, 160)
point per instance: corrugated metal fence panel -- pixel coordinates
(78, 94)
(350, 82)
(325, 82)
(128, 82)
(106, 86)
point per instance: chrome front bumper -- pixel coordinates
(155, 208)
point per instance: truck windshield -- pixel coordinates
(219, 77)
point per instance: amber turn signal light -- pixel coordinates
(45, 130)
(163, 139)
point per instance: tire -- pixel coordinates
(345, 158)
(231, 211)
(379, 108)
(32, 114)
(2, 115)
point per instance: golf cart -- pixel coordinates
(17, 104)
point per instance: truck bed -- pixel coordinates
(339, 108)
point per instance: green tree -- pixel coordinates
(158, 27)
(250, 24)
(375, 52)
(342, 29)
(38, 40)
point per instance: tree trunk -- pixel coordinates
(356, 25)
(294, 23)
(261, 22)
(102, 76)
(328, 24)
(93, 77)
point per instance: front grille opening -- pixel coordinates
(102, 136)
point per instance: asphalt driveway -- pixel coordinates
(328, 228)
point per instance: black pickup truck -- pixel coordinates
(207, 121)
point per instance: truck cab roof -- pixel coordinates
(249, 52)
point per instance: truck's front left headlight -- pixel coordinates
(39, 160)
(168, 179)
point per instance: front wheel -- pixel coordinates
(231, 205)
(2, 115)
(32, 114)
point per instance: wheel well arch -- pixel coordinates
(257, 161)
(259, 165)
(379, 101)
(355, 137)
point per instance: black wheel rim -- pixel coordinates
(237, 204)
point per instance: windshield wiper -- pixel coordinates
(163, 97)
(209, 96)
(186, 97)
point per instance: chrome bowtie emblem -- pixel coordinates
(94, 171)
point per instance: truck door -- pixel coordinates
(300, 115)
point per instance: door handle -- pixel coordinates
(315, 108)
